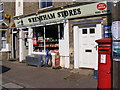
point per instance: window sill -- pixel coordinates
(41, 53)
(46, 8)
(4, 50)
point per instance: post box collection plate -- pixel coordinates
(103, 58)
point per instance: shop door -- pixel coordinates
(88, 47)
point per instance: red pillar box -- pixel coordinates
(104, 63)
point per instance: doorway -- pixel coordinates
(15, 45)
(88, 47)
(85, 47)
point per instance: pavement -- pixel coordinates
(18, 75)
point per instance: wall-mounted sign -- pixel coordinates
(66, 13)
(116, 30)
(101, 6)
(103, 58)
(7, 16)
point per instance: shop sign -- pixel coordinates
(101, 6)
(65, 13)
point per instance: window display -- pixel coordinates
(47, 37)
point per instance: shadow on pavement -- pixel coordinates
(3, 69)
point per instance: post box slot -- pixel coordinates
(88, 50)
(103, 49)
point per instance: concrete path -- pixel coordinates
(18, 75)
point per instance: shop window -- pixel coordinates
(47, 37)
(92, 30)
(38, 39)
(45, 3)
(84, 31)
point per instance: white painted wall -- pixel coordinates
(21, 46)
(76, 45)
(30, 41)
(99, 28)
(64, 47)
(18, 7)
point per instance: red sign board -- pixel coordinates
(101, 6)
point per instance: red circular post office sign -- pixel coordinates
(101, 6)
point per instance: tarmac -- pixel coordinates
(19, 75)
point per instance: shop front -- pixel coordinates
(53, 37)
(71, 31)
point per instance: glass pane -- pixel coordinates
(49, 3)
(1, 15)
(46, 3)
(38, 39)
(92, 31)
(43, 4)
(84, 31)
(52, 37)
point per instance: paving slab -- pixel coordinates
(11, 85)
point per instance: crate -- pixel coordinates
(36, 60)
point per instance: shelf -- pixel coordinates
(46, 47)
(48, 41)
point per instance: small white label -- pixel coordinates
(103, 58)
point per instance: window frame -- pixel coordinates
(40, 4)
(44, 42)
(2, 11)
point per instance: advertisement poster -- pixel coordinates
(116, 30)
(107, 31)
(116, 51)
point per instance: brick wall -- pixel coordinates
(9, 8)
(33, 7)
(30, 7)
